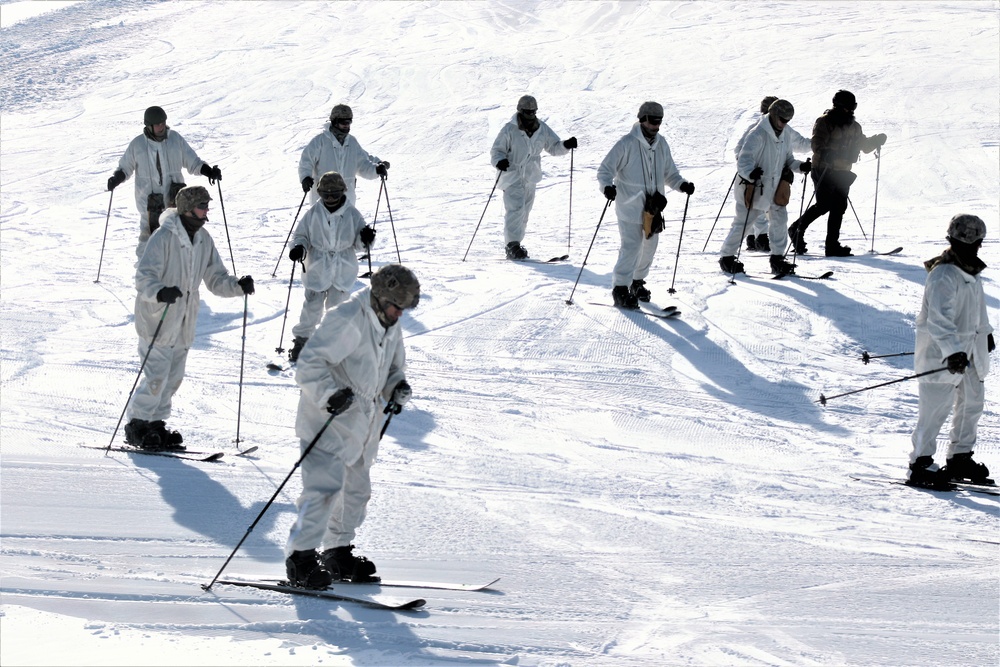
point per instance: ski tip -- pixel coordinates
(246, 452)
(214, 457)
(826, 275)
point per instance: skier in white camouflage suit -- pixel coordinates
(336, 149)
(765, 167)
(953, 329)
(633, 175)
(517, 154)
(328, 238)
(757, 238)
(156, 157)
(179, 256)
(352, 366)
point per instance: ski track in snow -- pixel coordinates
(651, 492)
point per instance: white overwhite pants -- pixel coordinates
(518, 198)
(936, 401)
(313, 308)
(333, 503)
(161, 377)
(635, 255)
(777, 229)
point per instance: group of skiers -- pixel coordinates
(349, 352)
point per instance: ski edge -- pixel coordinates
(400, 583)
(328, 594)
(668, 313)
(956, 486)
(205, 457)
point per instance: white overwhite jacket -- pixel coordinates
(952, 319)
(324, 153)
(636, 169)
(799, 143)
(524, 152)
(173, 260)
(772, 153)
(331, 241)
(157, 164)
(351, 349)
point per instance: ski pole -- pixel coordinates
(308, 449)
(391, 408)
(739, 249)
(679, 238)
(862, 227)
(391, 223)
(499, 174)
(569, 229)
(226, 225)
(290, 230)
(878, 168)
(805, 181)
(724, 199)
(239, 402)
(823, 399)
(136, 383)
(106, 221)
(378, 201)
(606, 207)
(865, 357)
(288, 300)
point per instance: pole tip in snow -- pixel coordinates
(822, 400)
(672, 291)
(569, 302)
(865, 357)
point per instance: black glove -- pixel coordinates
(659, 202)
(367, 234)
(169, 294)
(307, 183)
(806, 166)
(879, 139)
(958, 362)
(116, 179)
(246, 282)
(611, 192)
(213, 174)
(382, 168)
(570, 143)
(402, 393)
(340, 401)
(687, 187)
(990, 345)
(297, 254)
(756, 174)
(503, 165)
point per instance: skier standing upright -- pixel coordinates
(327, 238)
(765, 168)
(353, 365)
(633, 175)
(179, 256)
(953, 328)
(517, 153)
(336, 149)
(837, 141)
(156, 157)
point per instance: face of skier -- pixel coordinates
(343, 124)
(200, 211)
(651, 124)
(159, 130)
(967, 252)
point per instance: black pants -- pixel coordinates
(832, 190)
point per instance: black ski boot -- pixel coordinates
(169, 440)
(926, 475)
(961, 467)
(729, 264)
(751, 243)
(139, 433)
(798, 240)
(306, 569)
(297, 344)
(624, 298)
(780, 267)
(837, 250)
(763, 243)
(342, 564)
(516, 251)
(639, 291)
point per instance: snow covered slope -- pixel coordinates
(651, 492)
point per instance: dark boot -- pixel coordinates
(961, 467)
(751, 243)
(297, 344)
(797, 236)
(780, 267)
(639, 291)
(729, 264)
(926, 475)
(342, 564)
(763, 243)
(516, 251)
(305, 569)
(139, 433)
(624, 298)
(169, 440)
(837, 250)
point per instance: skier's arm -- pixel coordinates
(942, 326)
(216, 277)
(334, 340)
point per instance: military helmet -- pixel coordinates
(966, 228)
(341, 111)
(396, 284)
(154, 116)
(331, 182)
(189, 197)
(654, 109)
(782, 109)
(765, 103)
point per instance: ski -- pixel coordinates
(330, 594)
(894, 251)
(667, 313)
(954, 486)
(277, 368)
(245, 452)
(551, 260)
(400, 583)
(795, 275)
(183, 454)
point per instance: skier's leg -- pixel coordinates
(175, 375)
(631, 236)
(734, 239)
(145, 403)
(647, 249)
(311, 315)
(342, 527)
(933, 405)
(969, 401)
(515, 203)
(322, 481)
